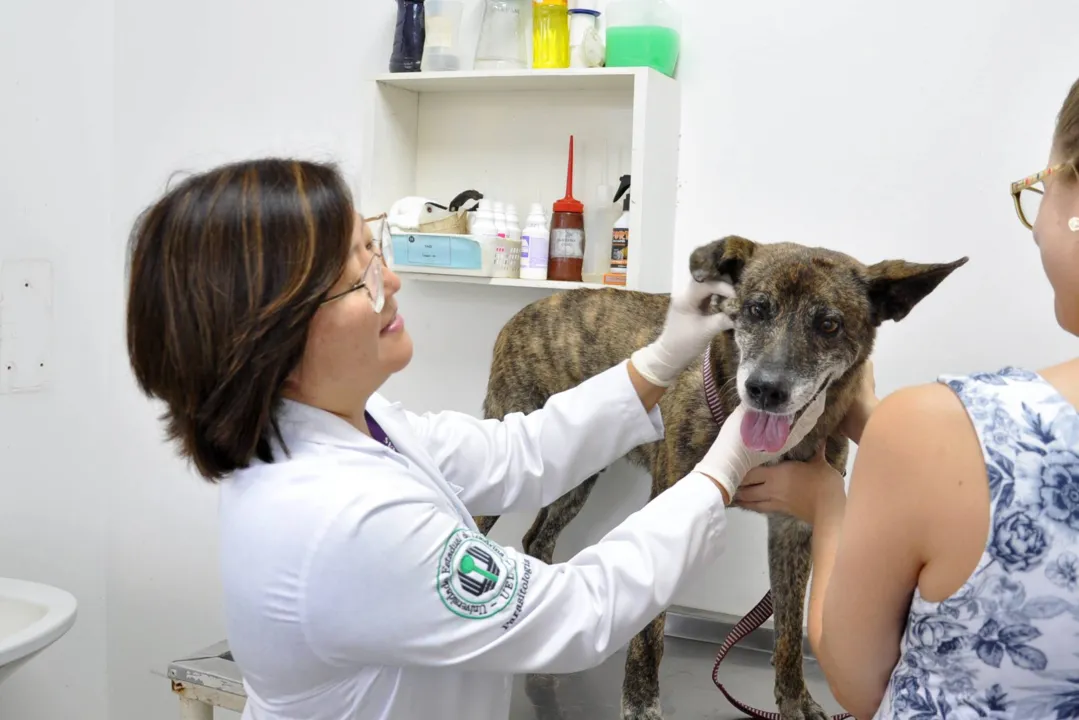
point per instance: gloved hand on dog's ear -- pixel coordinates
(686, 332)
(729, 459)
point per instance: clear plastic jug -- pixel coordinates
(643, 33)
(443, 24)
(503, 43)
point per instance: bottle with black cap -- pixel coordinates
(620, 236)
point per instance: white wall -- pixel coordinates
(198, 83)
(882, 132)
(55, 444)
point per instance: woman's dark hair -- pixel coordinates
(1066, 137)
(226, 272)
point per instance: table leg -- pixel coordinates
(191, 709)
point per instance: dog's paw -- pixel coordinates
(812, 711)
(651, 711)
(804, 709)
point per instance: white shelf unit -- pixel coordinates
(506, 134)
(508, 282)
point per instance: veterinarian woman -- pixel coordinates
(356, 584)
(947, 585)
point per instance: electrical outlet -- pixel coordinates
(25, 325)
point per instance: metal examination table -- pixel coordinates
(209, 678)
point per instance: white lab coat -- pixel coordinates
(357, 586)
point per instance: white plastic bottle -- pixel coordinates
(535, 242)
(513, 229)
(597, 223)
(500, 218)
(483, 226)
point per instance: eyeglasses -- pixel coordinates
(1027, 194)
(371, 280)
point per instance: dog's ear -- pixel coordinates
(896, 286)
(724, 257)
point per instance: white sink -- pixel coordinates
(32, 617)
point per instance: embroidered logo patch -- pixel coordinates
(475, 577)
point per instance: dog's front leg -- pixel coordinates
(789, 562)
(640, 685)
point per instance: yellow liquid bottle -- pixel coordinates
(550, 34)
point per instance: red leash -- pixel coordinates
(758, 615)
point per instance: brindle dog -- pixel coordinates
(803, 318)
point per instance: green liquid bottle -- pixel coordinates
(643, 33)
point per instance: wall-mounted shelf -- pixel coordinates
(514, 80)
(503, 282)
(506, 134)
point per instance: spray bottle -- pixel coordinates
(620, 238)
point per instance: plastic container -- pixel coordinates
(550, 34)
(507, 261)
(513, 229)
(441, 51)
(503, 42)
(483, 226)
(620, 231)
(442, 254)
(535, 239)
(597, 223)
(408, 37)
(643, 33)
(500, 218)
(566, 256)
(585, 44)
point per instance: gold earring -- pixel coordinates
(1073, 224)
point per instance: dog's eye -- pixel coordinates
(755, 311)
(828, 326)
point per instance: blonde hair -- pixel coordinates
(1066, 136)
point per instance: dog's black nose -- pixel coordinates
(768, 391)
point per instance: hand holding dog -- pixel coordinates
(728, 461)
(686, 333)
(801, 489)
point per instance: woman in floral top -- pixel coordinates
(947, 583)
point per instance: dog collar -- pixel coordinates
(711, 392)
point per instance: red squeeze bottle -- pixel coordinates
(566, 253)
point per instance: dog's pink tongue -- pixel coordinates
(765, 433)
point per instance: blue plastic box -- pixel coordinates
(442, 254)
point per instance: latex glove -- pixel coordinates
(729, 460)
(685, 335)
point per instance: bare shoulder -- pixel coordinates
(920, 450)
(1065, 378)
(919, 423)
(920, 466)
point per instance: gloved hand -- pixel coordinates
(728, 460)
(685, 335)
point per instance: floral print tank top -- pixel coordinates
(1007, 644)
